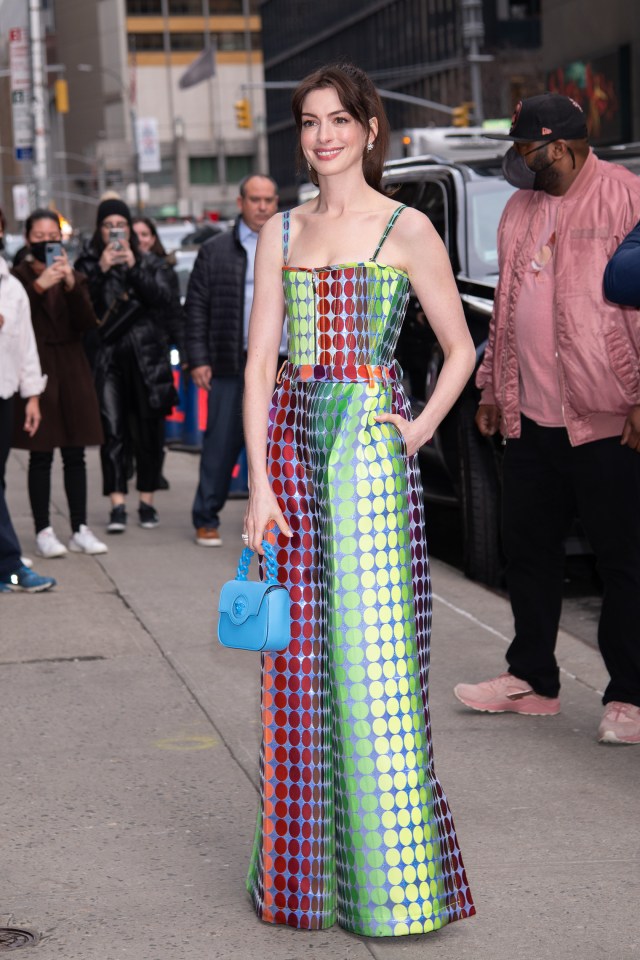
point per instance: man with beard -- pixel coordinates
(560, 381)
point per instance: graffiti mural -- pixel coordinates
(598, 85)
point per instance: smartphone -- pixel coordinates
(116, 237)
(52, 250)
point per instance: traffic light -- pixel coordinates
(62, 95)
(460, 116)
(243, 113)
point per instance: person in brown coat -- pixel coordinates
(61, 313)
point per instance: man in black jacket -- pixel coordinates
(218, 305)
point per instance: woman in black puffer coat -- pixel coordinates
(133, 375)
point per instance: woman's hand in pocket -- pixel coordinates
(406, 428)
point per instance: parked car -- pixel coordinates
(172, 233)
(464, 201)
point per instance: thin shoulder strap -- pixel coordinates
(387, 230)
(286, 218)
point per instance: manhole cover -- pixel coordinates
(13, 937)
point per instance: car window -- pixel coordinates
(428, 196)
(433, 203)
(486, 200)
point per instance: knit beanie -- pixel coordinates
(113, 206)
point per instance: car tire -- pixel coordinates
(479, 500)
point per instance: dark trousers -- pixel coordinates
(130, 424)
(9, 545)
(223, 440)
(6, 426)
(75, 486)
(546, 483)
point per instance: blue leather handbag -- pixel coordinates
(255, 615)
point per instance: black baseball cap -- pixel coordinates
(547, 117)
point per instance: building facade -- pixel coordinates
(414, 47)
(123, 61)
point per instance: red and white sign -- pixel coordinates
(20, 77)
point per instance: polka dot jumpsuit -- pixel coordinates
(353, 824)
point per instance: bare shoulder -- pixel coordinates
(412, 226)
(270, 237)
(272, 228)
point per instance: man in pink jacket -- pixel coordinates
(560, 380)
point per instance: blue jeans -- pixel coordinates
(9, 546)
(221, 446)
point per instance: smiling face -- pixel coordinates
(145, 237)
(332, 140)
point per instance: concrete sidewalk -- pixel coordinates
(129, 767)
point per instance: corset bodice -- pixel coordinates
(344, 315)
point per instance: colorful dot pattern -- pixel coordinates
(353, 825)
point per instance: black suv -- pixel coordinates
(464, 201)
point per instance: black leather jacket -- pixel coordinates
(149, 281)
(215, 305)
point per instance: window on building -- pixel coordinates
(164, 177)
(193, 8)
(235, 41)
(203, 170)
(238, 167)
(226, 41)
(145, 41)
(144, 8)
(201, 8)
(518, 9)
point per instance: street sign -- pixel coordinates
(148, 145)
(20, 80)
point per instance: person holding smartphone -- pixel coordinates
(61, 313)
(133, 372)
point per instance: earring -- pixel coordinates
(370, 146)
(308, 166)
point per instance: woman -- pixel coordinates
(353, 824)
(150, 244)
(133, 373)
(61, 312)
(19, 372)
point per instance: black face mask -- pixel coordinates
(518, 173)
(39, 250)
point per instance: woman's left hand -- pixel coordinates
(32, 416)
(409, 431)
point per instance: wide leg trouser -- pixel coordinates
(353, 824)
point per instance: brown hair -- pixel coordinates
(361, 100)
(156, 246)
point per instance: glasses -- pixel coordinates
(114, 226)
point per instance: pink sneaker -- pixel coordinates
(620, 723)
(506, 694)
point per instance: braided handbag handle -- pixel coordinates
(270, 558)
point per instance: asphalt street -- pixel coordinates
(129, 767)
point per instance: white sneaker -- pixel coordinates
(48, 545)
(85, 541)
(26, 562)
